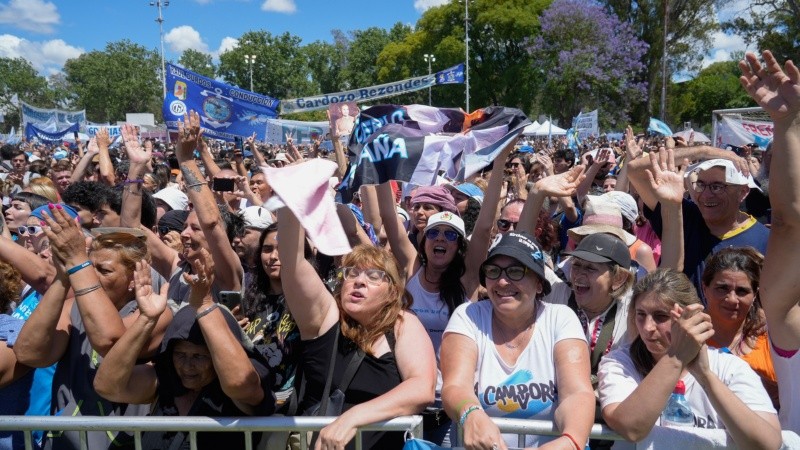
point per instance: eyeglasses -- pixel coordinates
(715, 188)
(505, 225)
(374, 276)
(29, 230)
(433, 233)
(513, 273)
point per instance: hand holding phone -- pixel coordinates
(223, 184)
(230, 299)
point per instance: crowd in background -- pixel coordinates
(579, 286)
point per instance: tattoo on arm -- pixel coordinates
(191, 181)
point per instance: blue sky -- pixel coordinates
(48, 32)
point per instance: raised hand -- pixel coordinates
(546, 161)
(92, 147)
(189, 134)
(775, 90)
(102, 138)
(202, 277)
(666, 180)
(136, 153)
(151, 304)
(563, 184)
(691, 328)
(66, 238)
(632, 148)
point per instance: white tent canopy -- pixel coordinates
(547, 129)
(531, 129)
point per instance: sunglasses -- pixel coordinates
(29, 230)
(374, 276)
(505, 225)
(433, 233)
(513, 273)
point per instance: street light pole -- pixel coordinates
(664, 65)
(162, 4)
(250, 60)
(429, 58)
(466, 31)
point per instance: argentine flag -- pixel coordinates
(659, 127)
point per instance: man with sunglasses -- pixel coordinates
(712, 219)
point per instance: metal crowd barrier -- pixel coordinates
(523, 427)
(193, 425)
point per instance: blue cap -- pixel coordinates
(247, 154)
(59, 155)
(471, 190)
(40, 211)
(525, 149)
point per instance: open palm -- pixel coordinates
(151, 304)
(665, 180)
(563, 184)
(775, 90)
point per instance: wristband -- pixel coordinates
(139, 181)
(83, 265)
(571, 439)
(462, 404)
(205, 312)
(467, 413)
(85, 291)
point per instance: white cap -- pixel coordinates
(447, 218)
(732, 174)
(256, 217)
(173, 197)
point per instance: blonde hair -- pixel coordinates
(131, 249)
(43, 186)
(397, 299)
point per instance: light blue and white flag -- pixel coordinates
(659, 127)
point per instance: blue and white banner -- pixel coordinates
(585, 124)
(31, 132)
(450, 75)
(51, 120)
(113, 130)
(740, 132)
(225, 111)
(659, 127)
(300, 132)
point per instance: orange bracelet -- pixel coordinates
(572, 439)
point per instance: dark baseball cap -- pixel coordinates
(603, 248)
(522, 247)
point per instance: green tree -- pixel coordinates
(326, 62)
(770, 25)
(122, 78)
(363, 50)
(715, 87)
(690, 25)
(18, 79)
(281, 69)
(198, 62)
(500, 72)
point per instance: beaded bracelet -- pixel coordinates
(138, 181)
(467, 413)
(80, 266)
(205, 312)
(85, 291)
(572, 440)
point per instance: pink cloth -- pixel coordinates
(304, 189)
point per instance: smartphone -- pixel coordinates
(238, 143)
(230, 299)
(223, 184)
(75, 135)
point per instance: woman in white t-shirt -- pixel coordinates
(524, 358)
(669, 345)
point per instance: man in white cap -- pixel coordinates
(256, 220)
(170, 199)
(712, 220)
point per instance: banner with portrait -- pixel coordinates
(342, 118)
(225, 111)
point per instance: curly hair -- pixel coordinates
(748, 261)
(10, 286)
(670, 287)
(397, 299)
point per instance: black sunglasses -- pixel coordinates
(505, 225)
(513, 273)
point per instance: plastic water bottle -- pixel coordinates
(678, 413)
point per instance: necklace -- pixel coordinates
(425, 274)
(508, 342)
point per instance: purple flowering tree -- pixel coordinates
(588, 59)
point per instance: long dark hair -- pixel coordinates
(748, 261)
(451, 291)
(670, 287)
(256, 293)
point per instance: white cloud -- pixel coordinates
(722, 48)
(280, 6)
(424, 5)
(183, 38)
(46, 56)
(31, 15)
(228, 43)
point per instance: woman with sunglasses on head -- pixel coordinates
(444, 272)
(367, 314)
(515, 343)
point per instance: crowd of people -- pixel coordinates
(143, 278)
